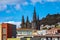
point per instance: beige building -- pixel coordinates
(23, 32)
(0, 32)
(53, 31)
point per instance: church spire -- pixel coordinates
(34, 15)
(27, 20)
(38, 23)
(27, 23)
(23, 22)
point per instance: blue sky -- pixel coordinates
(12, 10)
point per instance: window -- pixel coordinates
(4, 30)
(4, 37)
(49, 38)
(29, 33)
(34, 24)
(43, 38)
(54, 38)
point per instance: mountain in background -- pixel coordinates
(50, 19)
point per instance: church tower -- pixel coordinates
(23, 22)
(27, 23)
(38, 23)
(34, 22)
(34, 16)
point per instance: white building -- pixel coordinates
(24, 33)
(42, 32)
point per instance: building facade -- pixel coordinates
(53, 31)
(13, 38)
(0, 32)
(22, 32)
(8, 31)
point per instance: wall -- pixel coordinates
(4, 35)
(21, 33)
(10, 30)
(13, 39)
(52, 31)
(14, 31)
(0, 32)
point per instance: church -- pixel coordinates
(34, 24)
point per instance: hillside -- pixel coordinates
(50, 19)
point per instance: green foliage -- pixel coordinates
(57, 26)
(44, 28)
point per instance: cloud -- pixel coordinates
(9, 1)
(25, 3)
(52, 0)
(4, 3)
(18, 7)
(35, 1)
(43, 1)
(3, 7)
(15, 23)
(18, 3)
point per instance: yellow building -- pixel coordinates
(0, 32)
(13, 39)
(28, 38)
(17, 38)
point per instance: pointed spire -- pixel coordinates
(27, 20)
(23, 20)
(27, 23)
(34, 15)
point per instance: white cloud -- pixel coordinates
(52, 0)
(3, 7)
(17, 7)
(4, 3)
(10, 1)
(25, 3)
(43, 1)
(34, 1)
(15, 23)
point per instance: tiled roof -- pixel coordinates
(24, 29)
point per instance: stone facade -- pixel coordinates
(0, 32)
